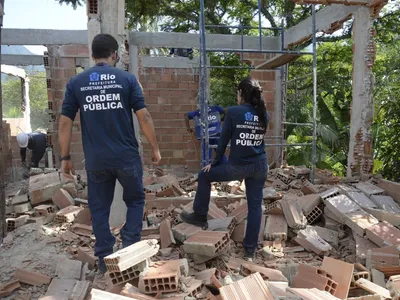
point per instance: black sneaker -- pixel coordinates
(249, 255)
(194, 219)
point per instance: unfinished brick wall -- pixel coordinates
(60, 64)
(169, 94)
(5, 150)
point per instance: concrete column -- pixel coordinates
(27, 112)
(360, 160)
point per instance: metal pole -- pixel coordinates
(259, 23)
(242, 44)
(314, 142)
(203, 89)
(2, 163)
(283, 35)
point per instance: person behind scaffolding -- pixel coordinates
(244, 127)
(214, 128)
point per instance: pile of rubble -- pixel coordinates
(328, 240)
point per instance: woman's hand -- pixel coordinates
(206, 168)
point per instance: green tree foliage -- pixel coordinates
(38, 100)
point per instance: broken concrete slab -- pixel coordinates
(131, 256)
(225, 224)
(206, 243)
(386, 203)
(383, 215)
(293, 214)
(328, 235)
(340, 206)
(384, 234)
(61, 288)
(80, 290)
(369, 189)
(183, 231)
(42, 187)
(378, 278)
(361, 199)
(328, 213)
(276, 228)
(359, 221)
(68, 269)
(19, 199)
(341, 272)
(21, 208)
(310, 240)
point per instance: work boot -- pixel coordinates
(194, 219)
(249, 255)
(101, 266)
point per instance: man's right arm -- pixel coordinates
(144, 118)
(147, 125)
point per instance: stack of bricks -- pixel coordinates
(60, 63)
(169, 94)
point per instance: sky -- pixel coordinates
(43, 14)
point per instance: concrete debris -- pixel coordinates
(352, 226)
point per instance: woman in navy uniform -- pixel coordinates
(244, 127)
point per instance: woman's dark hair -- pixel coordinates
(251, 92)
(103, 46)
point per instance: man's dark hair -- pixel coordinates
(103, 46)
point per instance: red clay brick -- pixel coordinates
(62, 199)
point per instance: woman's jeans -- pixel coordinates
(254, 175)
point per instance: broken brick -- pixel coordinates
(7, 288)
(183, 231)
(312, 277)
(383, 234)
(369, 189)
(131, 256)
(128, 274)
(32, 278)
(240, 213)
(81, 229)
(62, 199)
(84, 256)
(293, 214)
(341, 272)
(276, 228)
(44, 210)
(166, 235)
(42, 187)
(21, 208)
(207, 243)
(266, 273)
(309, 202)
(311, 241)
(340, 206)
(67, 214)
(161, 276)
(372, 288)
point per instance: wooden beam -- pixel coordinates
(328, 20)
(277, 61)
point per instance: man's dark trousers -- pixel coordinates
(101, 186)
(254, 175)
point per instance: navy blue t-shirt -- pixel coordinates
(246, 134)
(214, 120)
(105, 97)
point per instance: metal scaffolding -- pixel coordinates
(204, 84)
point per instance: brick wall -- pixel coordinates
(5, 150)
(60, 64)
(169, 94)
